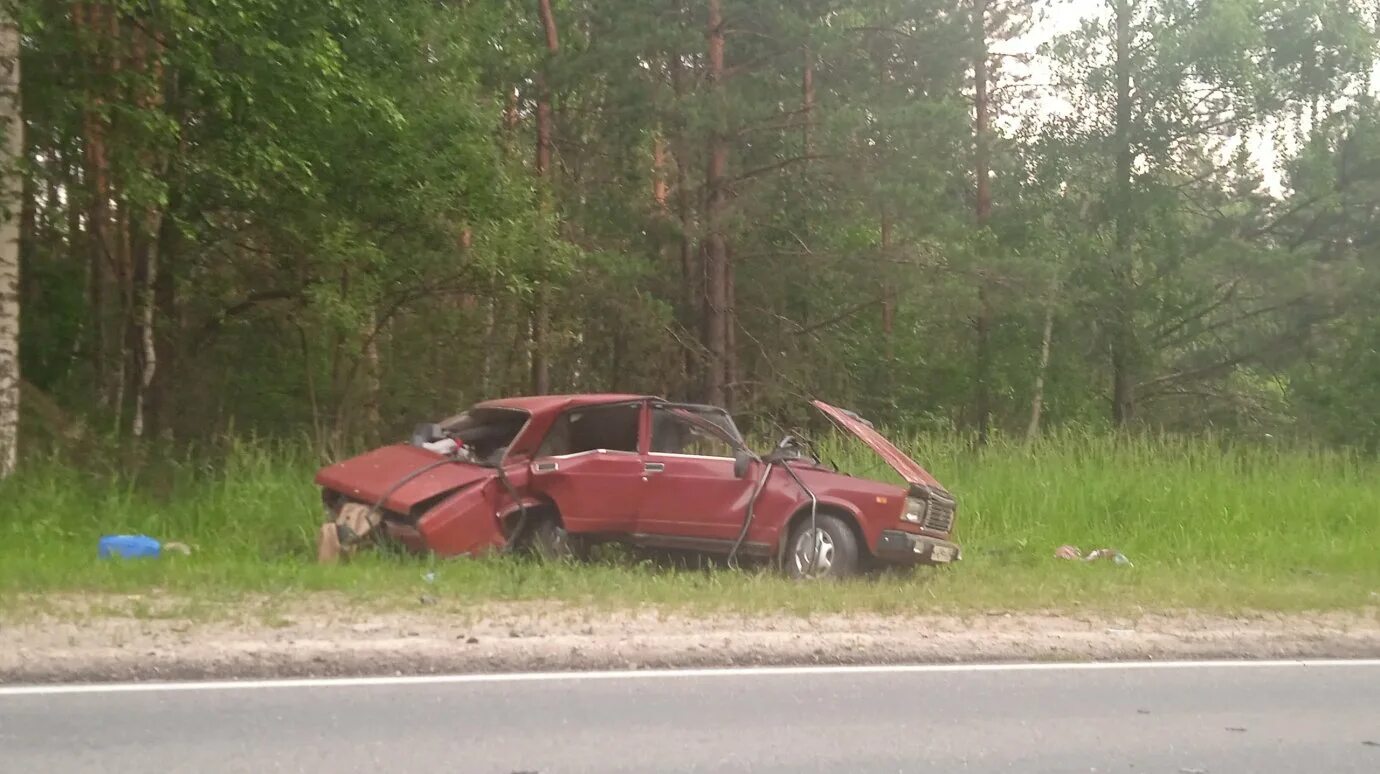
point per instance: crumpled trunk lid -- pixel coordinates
(367, 477)
(908, 468)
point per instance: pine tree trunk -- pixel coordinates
(1123, 344)
(88, 21)
(11, 123)
(541, 371)
(716, 249)
(982, 214)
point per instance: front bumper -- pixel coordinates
(898, 546)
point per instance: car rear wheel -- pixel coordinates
(829, 550)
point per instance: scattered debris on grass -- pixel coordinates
(1109, 554)
(137, 547)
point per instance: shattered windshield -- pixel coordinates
(486, 432)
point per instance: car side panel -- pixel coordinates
(874, 505)
(693, 497)
(595, 492)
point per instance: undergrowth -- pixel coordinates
(1208, 525)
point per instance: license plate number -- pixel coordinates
(941, 554)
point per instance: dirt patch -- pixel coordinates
(133, 638)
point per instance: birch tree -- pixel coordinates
(12, 124)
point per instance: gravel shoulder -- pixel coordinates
(133, 638)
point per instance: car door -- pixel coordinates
(692, 499)
(589, 465)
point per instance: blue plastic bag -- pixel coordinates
(128, 547)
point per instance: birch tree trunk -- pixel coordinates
(1037, 393)
(1123, 345)
(10, 191)
(691, 274)
(147, 231)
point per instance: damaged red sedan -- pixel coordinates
(557, 474)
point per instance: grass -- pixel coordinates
(1209, 525)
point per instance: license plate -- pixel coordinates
(941, 554)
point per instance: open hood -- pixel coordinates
(367, 477)
(849, 422)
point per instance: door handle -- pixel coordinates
(545, 467)
(653, 467)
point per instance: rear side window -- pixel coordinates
(673, 433)
(612, 428)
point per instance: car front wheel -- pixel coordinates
(550, 541)
(829, 550)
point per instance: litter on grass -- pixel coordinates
(1108, 554)
(137, 547)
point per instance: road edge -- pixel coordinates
(123, 650)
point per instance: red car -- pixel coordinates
(559, 473)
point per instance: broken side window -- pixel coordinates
(611, 428)
(674, 434)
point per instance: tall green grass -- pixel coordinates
(1207, 523)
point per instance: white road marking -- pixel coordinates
(645, 674)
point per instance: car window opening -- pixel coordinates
(486, 432)
(672, 434)
(610, 428)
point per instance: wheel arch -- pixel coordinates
(829, 507)
(535, 506)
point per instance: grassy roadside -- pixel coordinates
(1209, 526)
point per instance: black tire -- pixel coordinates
(838, 559)
(549, 541)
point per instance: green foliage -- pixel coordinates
(350, 235)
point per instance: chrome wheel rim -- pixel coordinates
(813, 553)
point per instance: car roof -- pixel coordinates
(540, 404)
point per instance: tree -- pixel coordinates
(541, 377)
(1164, 94)
(12, 124)
(336, 217)
(1001, 21)
(717, 304)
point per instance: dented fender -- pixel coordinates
(470, 521)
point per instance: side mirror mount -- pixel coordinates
(742, 461)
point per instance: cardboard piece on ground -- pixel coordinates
(328, 544)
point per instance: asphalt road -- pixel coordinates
(1176, 718)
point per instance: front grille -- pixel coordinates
(939, 515)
